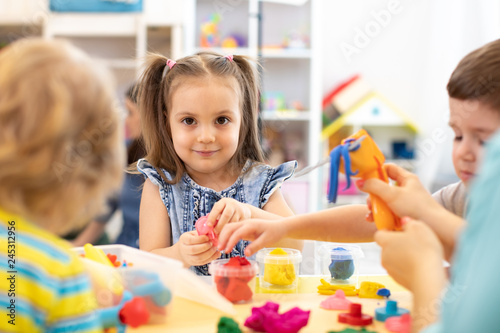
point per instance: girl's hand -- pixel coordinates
(196, 250)
(409, 253)
(262, 233)
(227, 210)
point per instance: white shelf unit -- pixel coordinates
(290, 56)
(120, 40)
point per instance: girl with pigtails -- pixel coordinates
(199, 117)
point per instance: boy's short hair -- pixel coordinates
(477, 76)
(60, 144)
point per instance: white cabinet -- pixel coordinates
(284, 35)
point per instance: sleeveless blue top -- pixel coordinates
(187, 201)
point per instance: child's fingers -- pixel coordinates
(191, 238)
(232, 233)
(396, 173)
(226, 217)
(384, 237)
(214, 214)
(204, 257)
(197, 249)
(378, 188)
(255, 245)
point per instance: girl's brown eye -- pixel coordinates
(188, 121)
(222, 120)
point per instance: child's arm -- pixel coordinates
(337, 224)
(414, 258)
(411, 199)
(89, 234)
(155, 233)
(277, 205)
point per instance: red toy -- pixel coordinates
(355, 317)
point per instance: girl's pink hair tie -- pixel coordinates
(171, 63)
(229, 57)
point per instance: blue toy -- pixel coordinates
(390, 310)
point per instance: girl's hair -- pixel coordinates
(159, 82)
(477, 76)
(135, 150)
(60, 151)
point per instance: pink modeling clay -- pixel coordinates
(400, 324)
(267, 319)
(203, 229)
(336, 302)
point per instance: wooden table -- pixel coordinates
(187, 316)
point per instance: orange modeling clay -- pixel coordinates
(360, 153)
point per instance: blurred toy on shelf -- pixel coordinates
(354, 104)
(234, 40)
(209, 31)
(401, 149)
(273, 100)
(296, 40)
(343, 97)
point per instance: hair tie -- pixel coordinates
(171, 63)
(229, 57)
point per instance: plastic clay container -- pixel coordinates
(340, 263)
(232, 281)
(279, 269)
(147, 271)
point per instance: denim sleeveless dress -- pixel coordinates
(187, 201)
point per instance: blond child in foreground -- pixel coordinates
(59, 157)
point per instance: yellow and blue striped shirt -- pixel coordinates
(44, 287)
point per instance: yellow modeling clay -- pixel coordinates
(279, 274)
(278, 251)
(369, 289)
(329, 289)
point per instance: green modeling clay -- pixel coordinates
(228, 325)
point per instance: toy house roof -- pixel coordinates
(359, 106)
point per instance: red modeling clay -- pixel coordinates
(355, 317)
(267, 319)
(232, 283)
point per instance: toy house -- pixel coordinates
(353, 105)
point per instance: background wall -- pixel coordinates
(407, 50)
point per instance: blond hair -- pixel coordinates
(60, 151)
(159, 82)
(477, 76)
